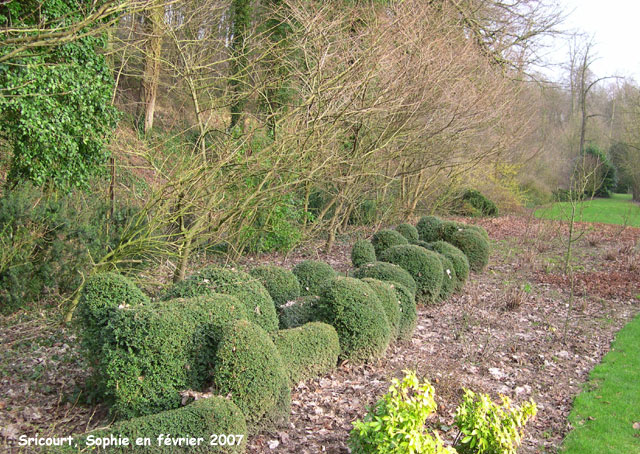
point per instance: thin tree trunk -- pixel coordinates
(151, 78)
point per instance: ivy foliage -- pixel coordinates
(55, 104)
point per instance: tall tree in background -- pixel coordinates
(154, 21)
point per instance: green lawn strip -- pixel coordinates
(619, 209)
(603, 415)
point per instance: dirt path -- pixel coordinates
(504, 334)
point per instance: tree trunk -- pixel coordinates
(151, 78)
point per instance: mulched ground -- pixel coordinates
(517, 329)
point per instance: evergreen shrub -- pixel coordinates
(390, 303)
(308, 351)
(362, 252)
(281, 283)
(408, 231)
(423, 265)
(387, 272)
(427, 228)
(384, 239)
(313, 276)
(474, 246)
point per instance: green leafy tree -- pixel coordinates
(55, 102)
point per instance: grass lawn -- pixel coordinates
(603, 415)
(619, 209)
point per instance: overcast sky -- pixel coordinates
(614, 26)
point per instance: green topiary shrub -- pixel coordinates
(313, 276)
(408, 311)
(474, 246)
(362, 252)
(308, 351)
(214, 279)
(423, 265)
(353, 309)
(384, 239)
(408, 231)
(281, 283)
(446, 229)
(457, 257)
(477, 228)
(249, 368)
(298, 312)
(102, 295)
(449, 279)
(427, 228)
(480, 202)
(153, 351)
(390, 303)
(387, 272)
(218, 421)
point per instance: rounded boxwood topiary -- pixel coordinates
(362, 252)
(446, 229)
(384, 239)
(313, 276)
(353, 309)
(408, 231)
(427, 228)
(151, 352)
(480, 202)
(298, 312)
(214, 279)
(200, 419)
(281, 283)
(408, 311)
(249, 368)
(474, 246)
(449, 279)
(308, 351)
(390, 303)
(387, 272)
(477, 228)
(423, 265)
(457, 257)
(101, 295)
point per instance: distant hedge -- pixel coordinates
(313, 275)
(387, 272)
(308, 351)
(384, 239)
(423, 265)
(483, 205)
(214, 279)
(427, 228)
(474, 246)
(353, 309)
(152, 352)
(408, 231)
(362, 253)
(281, 283)
(249, 368)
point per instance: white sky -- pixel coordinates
(615, 28)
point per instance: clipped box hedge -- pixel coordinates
(362, 253)
(249, 291)
(449, 278)
(390, 303)
(423, 265)
(474, 246)
(313, 275)
(200, 419)
(388, 272)
(353, 309)
(409, 232)
(408, 311)
(457, 257)
(427, 228)
(281, 283)
(298, 312)
(384, 239)
(249, 369)
(152, 352)
(308, 351)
